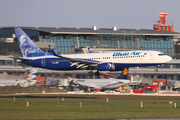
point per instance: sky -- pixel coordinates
(129, 14)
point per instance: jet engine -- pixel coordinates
(106, 66)
(24, 83)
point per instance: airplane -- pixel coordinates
(105, 84)
(107, 61)
(27, 81)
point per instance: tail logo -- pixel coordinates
(24, 45)
(125, 71)
(29, 51)
(23, 41)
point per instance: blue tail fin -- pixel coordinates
(124, 74)
(27, 46)
(90, 51)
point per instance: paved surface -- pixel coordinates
(30, 89)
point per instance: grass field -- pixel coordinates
(93, 107)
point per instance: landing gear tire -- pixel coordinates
(156, 70)
(90, 73)
(97, 73)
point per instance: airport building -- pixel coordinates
(72, 40)
(68, 40)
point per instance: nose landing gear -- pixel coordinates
(97, 73)
(90, 73)
(156, 70)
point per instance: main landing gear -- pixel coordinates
(156, 70)
(97, 73)
(90, 73)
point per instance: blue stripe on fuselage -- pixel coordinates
(51, 63)
(63, 64)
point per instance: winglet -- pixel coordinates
(140, 81)
(52, 51)
(90, 51)
(51, 81)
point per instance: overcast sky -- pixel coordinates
(133, 14)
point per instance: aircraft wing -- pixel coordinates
(92, 86)
(76, 61)
(86, 84)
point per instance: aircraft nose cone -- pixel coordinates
(169, 58)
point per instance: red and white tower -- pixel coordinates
(163, 26)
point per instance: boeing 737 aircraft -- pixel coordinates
(110, 61)
(27, 81)
(105, 84)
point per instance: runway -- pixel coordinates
(103, 93)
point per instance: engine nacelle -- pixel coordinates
(106, 67)
(16, 82)
(32, 82)
(24, 83)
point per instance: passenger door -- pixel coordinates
(151, 56)
(43, 62)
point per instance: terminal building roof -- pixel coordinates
(119, 31)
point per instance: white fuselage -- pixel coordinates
(100, 61)
(15, 82)
(10, 82)
(102, 84)
(139, 56)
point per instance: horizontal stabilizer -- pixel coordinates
(20, 58)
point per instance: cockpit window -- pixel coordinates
(161, 54)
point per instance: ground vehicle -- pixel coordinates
(147, 88)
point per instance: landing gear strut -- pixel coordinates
(91, 73)
(97, 73)
(156, 70)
